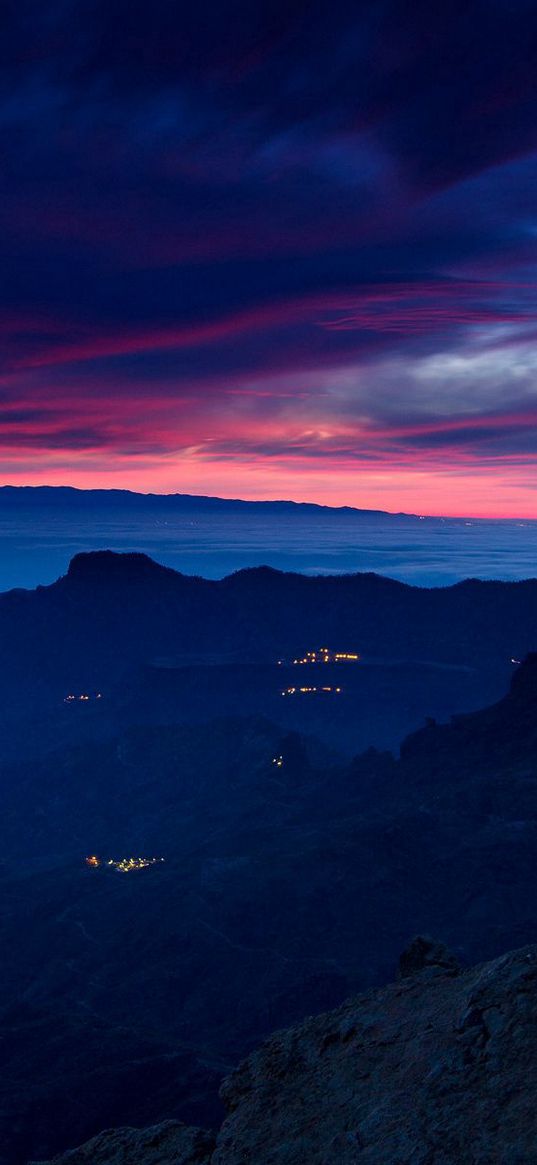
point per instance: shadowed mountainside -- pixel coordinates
(284, 889)
(115, 618)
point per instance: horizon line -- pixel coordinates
(271, 502)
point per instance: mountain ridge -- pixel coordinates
(113, 614)
(52, 494)
(113, 562)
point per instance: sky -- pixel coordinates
(272, 250)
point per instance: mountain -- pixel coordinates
(425, 652)
(259, 615)
(294, 870)
(67, 498)
(436, 1069)
(284, 889)
(44, 527)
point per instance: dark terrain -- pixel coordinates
(145, 636)
(437, 1069)
(127, 998)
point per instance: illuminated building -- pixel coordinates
(325, 655)
(124, 865)
(313, 690)
(83, 697)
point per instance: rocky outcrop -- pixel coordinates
(169, 1143)
(439, 1068)
(425, 954)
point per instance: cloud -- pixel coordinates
(268, 236)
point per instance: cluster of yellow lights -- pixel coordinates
(278, 760)
(124, 865)
(84, 697)
(300, 691)
(324, 655)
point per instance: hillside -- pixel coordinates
(283, 890)
(436, 1069)
(112, 615)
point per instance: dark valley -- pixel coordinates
(305, 838)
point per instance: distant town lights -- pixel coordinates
(314, 689)
(325, 655)
(124, 865)
(84, 697)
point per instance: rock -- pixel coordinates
(169, 1143)
(436, 1069)
(427, 954)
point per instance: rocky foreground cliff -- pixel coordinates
(439, 1068)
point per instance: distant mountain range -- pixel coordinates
(43, 527)
(63, 497)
